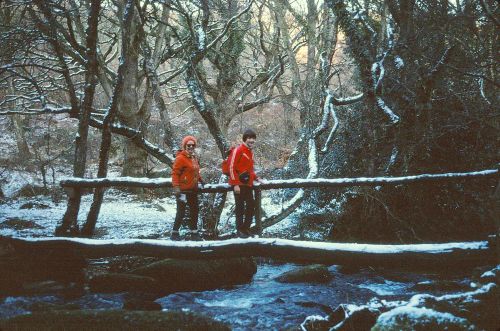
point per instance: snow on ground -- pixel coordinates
(122, 216)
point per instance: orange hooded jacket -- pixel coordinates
(186, 172)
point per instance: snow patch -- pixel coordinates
(228, 303)
(16, 180)
(313, 318)
(491, 273)
(420, 315)
(398, 61)
(386, 288)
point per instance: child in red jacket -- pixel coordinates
(241, 178)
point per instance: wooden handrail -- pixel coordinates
(279, 184)
(74, 185)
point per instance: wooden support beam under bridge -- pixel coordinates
(419, 256)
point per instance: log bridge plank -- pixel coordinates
(440, 256)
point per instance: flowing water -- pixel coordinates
(263, 304)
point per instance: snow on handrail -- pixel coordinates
(275, 184)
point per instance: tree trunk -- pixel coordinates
(134, 163)
(23, 149)
(69, 224)
(102, 172)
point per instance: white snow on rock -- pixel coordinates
(14, 181)
(417, 316)
(386, 288)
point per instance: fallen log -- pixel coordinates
(440, 256)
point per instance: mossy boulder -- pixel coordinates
(474, 310)
(115, 282)
(198, 275)
(361, 319)
(420, 319)
(122, 320)
(21, 267)
(17, 223)
(480, 307)
(315, 273)
(438, 286)
(30, 190)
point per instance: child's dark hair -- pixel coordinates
(249, 133)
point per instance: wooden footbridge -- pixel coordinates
(76, 186)
(442, 255)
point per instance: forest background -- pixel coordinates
(332, 88)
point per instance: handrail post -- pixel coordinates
(69, 224)
(258, 210)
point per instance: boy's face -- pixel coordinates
(250, 142)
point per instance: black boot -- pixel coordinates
(195, 236)
(175, 236)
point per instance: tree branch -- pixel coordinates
(138, 139)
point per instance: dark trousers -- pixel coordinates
(192, 202)
(244, 208)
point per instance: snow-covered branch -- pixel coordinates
(44, 110)
(251, 105)
(312, 160)
(348, 100)
(481, 89)
(374, 181)
(297, 200)
(329, 110)
(326, 114)
(386, 109)
(378, 73)
(138, 140)
(332, 130)
(392, 159)
(442, 61)
(202, 51)
(269, 78)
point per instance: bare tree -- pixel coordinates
(414, 65)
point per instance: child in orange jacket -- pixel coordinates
(185, 179)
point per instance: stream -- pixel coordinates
(263, 304)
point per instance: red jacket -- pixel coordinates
(241, 161)
(186, 172)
